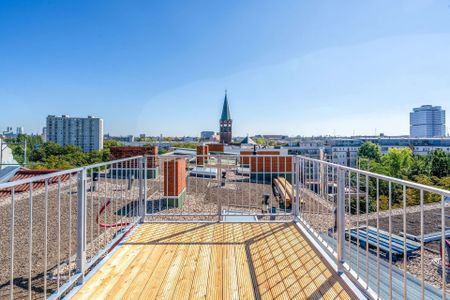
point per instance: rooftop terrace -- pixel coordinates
(215, 261)
(259, 226)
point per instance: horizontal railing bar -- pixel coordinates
(210, 215)
(38, 178)
(102, 164)
(383, 177)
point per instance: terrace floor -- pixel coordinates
(215, 261)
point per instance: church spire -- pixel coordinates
(225, 110)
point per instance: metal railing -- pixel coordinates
(389, 235)
(218, 187)
(55, 228)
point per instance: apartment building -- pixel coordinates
(86, 133)
(344, 151)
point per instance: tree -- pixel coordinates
(398, 162)
(440, 164)
(370, 151)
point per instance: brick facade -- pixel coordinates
(130, 151)
(202, 155)
(216, 147)
(174, 177)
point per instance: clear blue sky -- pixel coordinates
(290, 67)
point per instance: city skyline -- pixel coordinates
(309, 72)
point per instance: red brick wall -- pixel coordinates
(269, 164)
(216, 147)
(174, 176)
(245, 159)
(202, 154)
(130, 151)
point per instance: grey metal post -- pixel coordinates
(143, 187)
(340, 222)
(81, 223)
(25, 153)
(297, 186)
(219, 177)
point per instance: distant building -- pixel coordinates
(275, 137)
(44, 134)
(6, 156)
(427, 121)
(226, 134)
(86, 133)
(206, 135)
(20, 130)
(344, 151)
(9, 133)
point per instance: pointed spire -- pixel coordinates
(225, 110)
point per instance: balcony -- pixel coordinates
(263, 226)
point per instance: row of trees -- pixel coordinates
(49, 155)
(432, 169)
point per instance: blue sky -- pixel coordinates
(290, 67)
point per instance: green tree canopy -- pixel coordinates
(370, 151)
(440, 163)
(398, 162)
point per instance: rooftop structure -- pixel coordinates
(289, 227)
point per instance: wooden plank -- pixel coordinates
(275, 257)
(173, 273)
(108, 274)
(119, 290)
(151, 288)
(230, 276)
(146, 271)
(214, 289)
(200, 281)
(215, 261)
(187, 274)
(260, 279)
(244, 279)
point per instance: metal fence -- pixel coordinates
(219, 188)
(389, 235)
(54, 228)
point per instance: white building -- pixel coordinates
(427, 121)
(6, 156)
(86, 133)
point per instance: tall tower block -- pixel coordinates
(226, 123)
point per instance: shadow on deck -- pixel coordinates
(215, 261)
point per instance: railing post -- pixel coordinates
(143, 187)
(340, 219)
(81, 223)
(219, 175)
(297, 186)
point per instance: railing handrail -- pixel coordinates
(10, 184)
(102, 164)
(407, 183)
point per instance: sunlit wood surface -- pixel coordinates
(215, 261)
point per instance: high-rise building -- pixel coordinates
(20, 130)
(86, 133)
(427, 121)
(226, 123)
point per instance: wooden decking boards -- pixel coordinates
(215, 261)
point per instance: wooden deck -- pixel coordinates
(215, 261)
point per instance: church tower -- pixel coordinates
(225, 123)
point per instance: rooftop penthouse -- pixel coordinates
(217, 225)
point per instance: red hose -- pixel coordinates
(102, 225)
